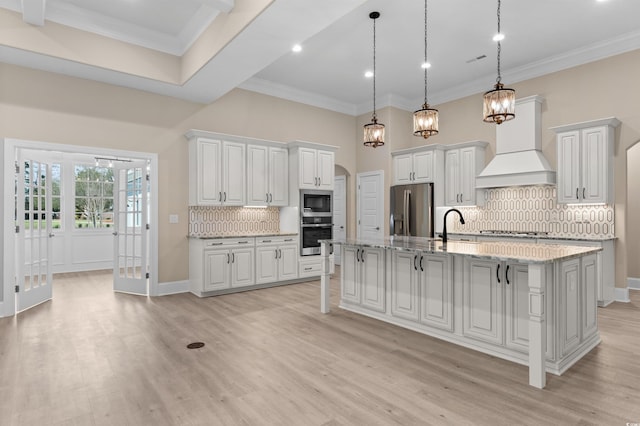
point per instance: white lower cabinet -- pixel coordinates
(405, 288)
(221, 264)
(276, 259)
(363, 280)
(516, 277)
(482, 307)
(436, 289)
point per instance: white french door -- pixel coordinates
(33, 232)
(131, 218)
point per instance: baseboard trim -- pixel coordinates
(633, 283)
(175, 287)
(622, 295)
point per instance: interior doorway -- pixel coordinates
(89, 221)
(339, 214)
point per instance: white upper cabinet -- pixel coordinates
(417, 165)
(585, 161)
(463, 163)
(218, 177)
(311, 166)
(227, 170)
(315, 168)
(267, 176)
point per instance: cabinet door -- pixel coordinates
(405, 296)
(326, 168)
(516, 278)
(569, 305)
(589, 274)
(372, 279)
(208, 172)
(436, 291)
(594, 165)
(423, 166)
(242, 267)
(234, 174)
(257, 182)
(467, 166)
(403, 169)
(307, 168)
(349, 289)
(568, 175)
(452, 181)
(216, 270)
(278, 177)
(266, 264)
(288, 262)
(482, 300)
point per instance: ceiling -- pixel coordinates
(541, 37)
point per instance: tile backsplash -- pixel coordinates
(205, 221)
(534, 208)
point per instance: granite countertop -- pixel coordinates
(212, 237)
(532, 237)
(502, 251)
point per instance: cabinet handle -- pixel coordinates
(243, 242)
(319, 181)
(225, 196)
(276, 253)
(362, 256)
(506, 275)
(498, 273)
(233, 258)
(288, 239)
(308, 268)
(422, 270)
(264, 241)
(270, 198)
(220, 196)
(266, 198)
(577, 193)
(583, 189)
(358, 256)
(228, 257)
(415, 258)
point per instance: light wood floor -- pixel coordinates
(92, 357)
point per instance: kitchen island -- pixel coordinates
(534, 304)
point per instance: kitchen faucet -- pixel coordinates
(444, 226)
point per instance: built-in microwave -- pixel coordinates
(316, 203)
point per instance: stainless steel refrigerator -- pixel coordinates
(411, 210)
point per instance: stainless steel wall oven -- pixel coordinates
(316, 220)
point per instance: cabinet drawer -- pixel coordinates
(310, 269)
(229, 242)
(268, 240)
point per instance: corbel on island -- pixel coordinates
(534, 304)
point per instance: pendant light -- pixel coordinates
(374, 131)
(425, 120)
(499, 103)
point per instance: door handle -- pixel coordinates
(115, 233)
(498, 273)
(506, 275)
(51, 235)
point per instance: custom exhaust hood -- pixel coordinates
(519, 160)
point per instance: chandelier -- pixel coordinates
(425, 120)
(374, 131)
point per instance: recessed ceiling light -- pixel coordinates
(368, 74)
(498, 37)
(296, 48)
(425, 65)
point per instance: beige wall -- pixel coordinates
(36, 105)
(605, 88)
(46, 107)
(633, 207)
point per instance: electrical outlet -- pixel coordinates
(173, 218)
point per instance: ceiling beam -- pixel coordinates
(222, 5)
(33, 12)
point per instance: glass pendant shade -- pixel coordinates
(499, 104)
(374, 133)
(425, 122)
